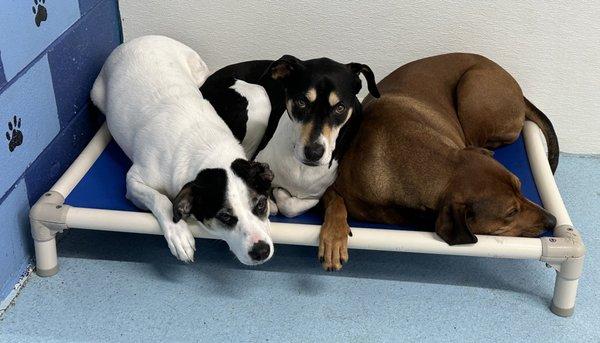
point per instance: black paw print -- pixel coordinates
(14, 135)
(40, 11)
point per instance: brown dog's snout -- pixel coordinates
(549, 221)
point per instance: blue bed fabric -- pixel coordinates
(103, 187)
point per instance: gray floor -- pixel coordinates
(123, 287)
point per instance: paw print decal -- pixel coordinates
(14, 134)
(40, 11)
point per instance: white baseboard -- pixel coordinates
(10, 298)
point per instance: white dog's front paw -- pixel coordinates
(180, 240)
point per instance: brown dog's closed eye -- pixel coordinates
(451, 224)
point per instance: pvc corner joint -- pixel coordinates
(48, 216)
(566, 246)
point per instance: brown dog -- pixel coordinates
(421, 156)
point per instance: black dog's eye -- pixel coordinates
(226, 218)
(301, 103)
(261, 206)
(340, 108)
(513, 212)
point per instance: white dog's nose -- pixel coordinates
(260, 251)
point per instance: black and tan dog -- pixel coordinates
(421, 156)
(297, 116)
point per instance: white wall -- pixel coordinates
(553, 50)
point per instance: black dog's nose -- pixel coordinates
(549, 222)
(260, 251)
(314, 151)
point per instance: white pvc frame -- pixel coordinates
(564, 252)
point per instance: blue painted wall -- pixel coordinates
(50, 54)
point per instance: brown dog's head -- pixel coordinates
(321, 102)
(485, 198)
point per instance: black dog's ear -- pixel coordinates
(358, 68)
(257, 175)
(284, 67)
(451, 224)
(182, 204)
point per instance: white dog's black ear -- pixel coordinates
(183, 202)
(203, 197)
(257, 175)
(358, 68)
(284, 67)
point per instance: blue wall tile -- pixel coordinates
(87, 5)
(15, 238)
(2, 78)
(21, 39)
(46, 74)
(59, 155)
(31, 99)
(76, 59)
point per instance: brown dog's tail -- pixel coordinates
(535, 115)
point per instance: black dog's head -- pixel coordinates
(321, 102)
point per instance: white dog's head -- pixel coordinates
(233, 205)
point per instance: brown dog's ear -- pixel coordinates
(284, 67)
(364, 69)
(480, 150)
(257, 175)
(451, 224)
(182, 205)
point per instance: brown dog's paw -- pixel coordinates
(333, 245)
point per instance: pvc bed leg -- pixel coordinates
(565, 287)
(565, 253)
(47, 218)
(46, 260)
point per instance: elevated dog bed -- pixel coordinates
(91, 195)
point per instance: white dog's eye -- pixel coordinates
(226, 218)
(261, 206)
